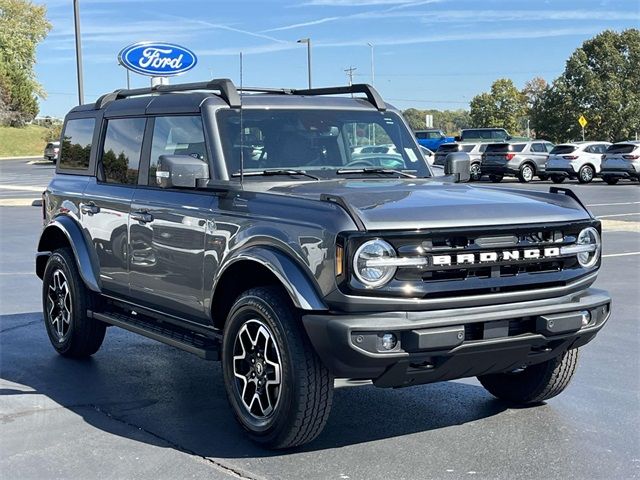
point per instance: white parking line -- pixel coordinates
(612, 204)
(619, 215)
(24, 188)
(620, 254)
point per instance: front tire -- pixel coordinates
(277, 386)
(586, 174)
(535, 383)
(65, 301)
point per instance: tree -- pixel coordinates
(534, 93)
(22, 26)
(449, 121)
(600, 81)
(503, 107)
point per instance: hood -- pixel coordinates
(397, 204)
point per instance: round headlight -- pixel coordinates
(589, 236)
(368, 263)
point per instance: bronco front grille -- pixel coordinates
(462, 262)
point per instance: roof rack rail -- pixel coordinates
(225, 86)
(372, 95)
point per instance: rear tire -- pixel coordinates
(534, 384)
(611, 180)
(65, 300)
(586, 174)
(557, 178)
(264, 335)
(496, 178)
(526, 173)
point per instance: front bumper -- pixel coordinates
(455, 343)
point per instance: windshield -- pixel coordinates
(318, 141)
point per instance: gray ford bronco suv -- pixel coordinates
(247, 226)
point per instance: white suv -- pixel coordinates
(622, 160)
(579, 160)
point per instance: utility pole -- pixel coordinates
(76, 18)
(308, 42)
(373, 72)
(349, 71)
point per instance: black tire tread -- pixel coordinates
(315, 393)
(88, 333)
(535, 384)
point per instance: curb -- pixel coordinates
(32, 157)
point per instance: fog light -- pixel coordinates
(389, 341)
(586, 317)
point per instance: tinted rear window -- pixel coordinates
(563, 149)
(505, 147)
(622, 148)
(76, 144)
(448, 147)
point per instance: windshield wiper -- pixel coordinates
(388, 171)
(268, 173)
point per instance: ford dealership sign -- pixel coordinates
(157, 59)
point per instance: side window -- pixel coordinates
(537, 147)
(176, 136)
(421, 135)
(76, 144)
(121, 151)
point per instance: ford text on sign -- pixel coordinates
(157, 59)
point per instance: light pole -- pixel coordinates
(76, 18)
(308, 42)
(373, 72)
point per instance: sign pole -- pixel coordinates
(583, 134)
(76, 19)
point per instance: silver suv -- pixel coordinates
(523, 160)
(621, 160)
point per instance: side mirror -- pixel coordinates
(181, 171)
(457, 138)
(458, 164)
(508, 137)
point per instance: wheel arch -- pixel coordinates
(260, 266)
(65, 232)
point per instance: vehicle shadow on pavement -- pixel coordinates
(133, 384)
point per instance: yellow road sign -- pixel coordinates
(582, 121)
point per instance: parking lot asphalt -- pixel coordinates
(139, 409)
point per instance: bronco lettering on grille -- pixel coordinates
(494, 257)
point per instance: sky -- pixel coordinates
(426, 54)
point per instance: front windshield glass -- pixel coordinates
(319, 141)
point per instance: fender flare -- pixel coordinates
(300, 287)
(81, 252)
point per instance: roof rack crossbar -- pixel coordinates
(372, 95)
(225, 86)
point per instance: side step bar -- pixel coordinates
(198, 344)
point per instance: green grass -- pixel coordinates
(19, 142)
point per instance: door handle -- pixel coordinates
(89, 208)
(142, 216)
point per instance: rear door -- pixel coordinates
(539, 154)
(168, 226)
(107, 200)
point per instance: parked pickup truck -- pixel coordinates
(241, 226)
(432, 138)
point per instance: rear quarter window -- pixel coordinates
(75, 150)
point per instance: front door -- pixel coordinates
(107, 201)
(168, 227)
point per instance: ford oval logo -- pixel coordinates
(157, 59)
